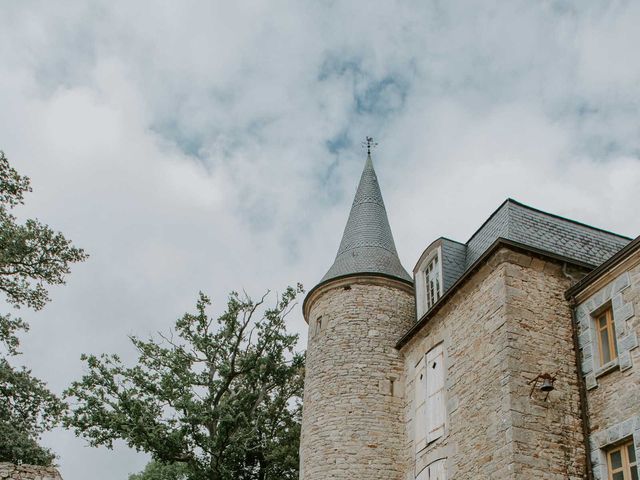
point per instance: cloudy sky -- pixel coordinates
(216, 145)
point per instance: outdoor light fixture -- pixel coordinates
(546, 381)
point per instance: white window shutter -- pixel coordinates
(423, 475)
(435, 393)
(436, 470)
(420, 406)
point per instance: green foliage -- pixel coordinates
(27, 410)
(8, 333)
(220, 396)
(32, 256)
(161, 471)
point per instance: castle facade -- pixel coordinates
(511, 356)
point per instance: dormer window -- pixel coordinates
(428, 280)
(432, 278)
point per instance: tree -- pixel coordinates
(220, 396)
(160, 471)
(32, 256)
(27, 409)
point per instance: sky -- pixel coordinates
(215, 146)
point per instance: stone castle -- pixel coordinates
(511, 356)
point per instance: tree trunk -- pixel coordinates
(262, 471)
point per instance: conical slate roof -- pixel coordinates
(367, 244)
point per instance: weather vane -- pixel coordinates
(369, 144)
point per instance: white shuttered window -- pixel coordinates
(435, 393)
(429, 398)
(420, 406)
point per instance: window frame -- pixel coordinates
(422, 281)
(627, 465)
(610, 329)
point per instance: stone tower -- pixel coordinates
(352, 425)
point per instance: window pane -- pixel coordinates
(618, 476)
(634, 473)
(632, 453)
(604, 341)
(602, 321)
(616, 459)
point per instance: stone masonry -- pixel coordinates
(613, 394)
(505, 326)
(353, 397)
(9, 471)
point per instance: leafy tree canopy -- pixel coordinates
(27, 409)
(161, 471)
(222, 397)
(32, 256)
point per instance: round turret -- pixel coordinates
(352, 426)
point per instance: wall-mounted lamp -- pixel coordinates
(545, 381)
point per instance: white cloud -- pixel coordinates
(215, 145)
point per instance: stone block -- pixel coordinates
(587, 365)
(617, 301)
(625, 312)
(613, 434)
(621, 327)
(581, 312)
(627, 428)
(598, 440)
(585, 338)
(623, 281)
(628, 342)
(624, 360)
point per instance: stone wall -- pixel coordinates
(352, 417)
(505, 326)
(9, 471)
(471, 327)
(613, 394)
(546, 435)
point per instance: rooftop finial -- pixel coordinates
(369, 144)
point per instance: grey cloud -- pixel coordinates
(215, 145)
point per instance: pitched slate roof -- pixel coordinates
(367, 244)
(557, 235)
(529, 228)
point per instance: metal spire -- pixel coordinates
(367, 244)
(369, 144)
